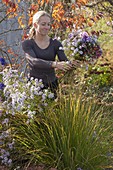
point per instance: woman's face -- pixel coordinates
(43, 25)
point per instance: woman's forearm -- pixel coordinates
(40, 63)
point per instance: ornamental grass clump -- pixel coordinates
(69, 135)
(81, 136)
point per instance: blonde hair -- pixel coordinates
(36, 18)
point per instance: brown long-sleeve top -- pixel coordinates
(40, 60)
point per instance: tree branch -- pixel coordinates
(11, 30)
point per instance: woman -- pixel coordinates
(41, 52)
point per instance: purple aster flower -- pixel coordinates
(98, 53)
(85, 38)
(71, 35)
(2, 86)
(85, 34)
(2, 61)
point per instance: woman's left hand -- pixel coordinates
(64, 65)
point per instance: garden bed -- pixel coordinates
(29, 168)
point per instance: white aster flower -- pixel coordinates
(31, 78)
(5, 121)
(40, 80)
(28, 84)
(45, 104)
(80, 47)
(76, 50)
(72, 54)
(80, 52)
(72, 48)
(43, 97)
(31, 114)
(58, 38)
(42, 86)
(51, 95)
(40, 93)
(61, 48)
(28, 106)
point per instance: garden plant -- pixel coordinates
(74, 132)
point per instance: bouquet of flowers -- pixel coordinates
(82, 46)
